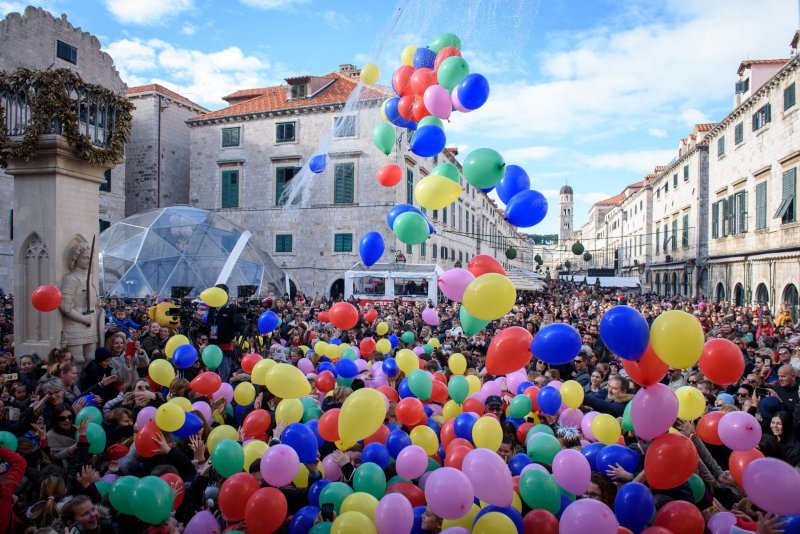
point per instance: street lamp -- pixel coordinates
(399, 257)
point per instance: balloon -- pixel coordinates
(490, 297)
(234, 494)
(739, 431)
(473, 91)
(215, 297)
(549, 400)
(407, 55)
(606, 429)
(634, 506)
(369, 478)
(426, 438)
(508, 350)
(571, 471)
(268, 321)
(228, 457)
(520, 406)
(361, 414)
(436, 192)
(708, 428)
(540, 521)
(514, 181)
(487, 433)
(680, 516)
(334, 493)
(454, 282)
(483, 167)
(192, 424)
(289, 411)
(89, 412)
(370, 73)
(489, 476)
(212, 356)
(170, 417)
(445, 40)
(346, 369)
(427, 142)
(677, 338)
(451, 71)
(721, 523)
(396, 441)
(722, 362)
(353, 521)
(46, 298)
(383, 136)
(609, 456)
(301, 438)
(371, 248)
(412, 461)
(96, 437)
(457, 364)
(151, 500)
(691, 403)
(173, 343)
(556, 343)
(279, 465)
(653, 411)
(162, 372)
(438, 102)
(698, 488)
(394, 514)
(470, 324)
(588, 515)
(390, 175)
(738, 462)
(184, 356)
(449, 493)
(259, 374)
(288, 382)
(411, 228)
(572, 394)
(542, 448)
(444, 53)
(265, 511)
(253, 450)
(424, 58)
(670, 461)
(539, 490)
(344, 315)
(244, 393)
(421, 384)
(303, 520)
(625, 332)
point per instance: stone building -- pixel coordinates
(157, 156)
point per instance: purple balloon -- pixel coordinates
(586, 425)
(653, 411)
(331, 468)
(430, 316)
(204, 409)
(490, 477)
(438, 101)
(739, 431)
(455, 530)
(449, 493)
(536, 466)
(305, 365)
(394, 514)
(109, 477)
(457, 102)
(588, 515)
(423, 479)
(571, 417)
(772, 485)
(419, 351)
(454, 282)
(145, 415)
(572, 471)
(226, 391)
(411, 462)
(721, 523)
(203, 522)
(491, 388)
(279, 465)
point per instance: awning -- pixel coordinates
(526, 280)
(615, 281)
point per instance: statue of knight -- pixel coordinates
(80, 306)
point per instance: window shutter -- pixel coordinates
(280, 184)
(225, 197)
(741, 224)
(343, 187)
(789, 182)
(788, 97)
(755, 121)
(761, 205)
(767, 113)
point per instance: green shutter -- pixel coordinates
(741, 213)
(409, 186)
(685, 236)
(789, 183)
(715, 220)
(343, 183)
(283, 243)
(280, 185)
(230, 189)
(422, 249)
(788, 97)
(343, 242)
(761, 205)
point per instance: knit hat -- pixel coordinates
(768, 407)
(115, 452)
(102, 354)
(726, 398)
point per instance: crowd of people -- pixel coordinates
(55, 476)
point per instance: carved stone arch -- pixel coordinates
(35, 266)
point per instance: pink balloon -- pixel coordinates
(305, 365)
(362, 365)
(654, 410)
(411, 462)
(490, 477)
(588, 515)
(586, 425)
(457, 102)
(572, 471)
(430, 316)
(279, 465)
(772, 485)
(491, 388)
(423, 479)
(203, 522)
(721, 523)
(145, 415)
(394, 514)
(109, 477)
(437, 100)
(377, 369)
(419, 351)
(538, 467)
(454, 282)
(455, 530)
(478, 395)
(204, 409)
(435, 408)
(449, 493)
(226, 391)
(739, 431)
(379, 381)
(571, 417)
(555, 384)
(331, 468)
(513, 380)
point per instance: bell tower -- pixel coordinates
(565, 214)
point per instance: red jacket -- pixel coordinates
(9, 482)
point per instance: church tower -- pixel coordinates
(565, 215)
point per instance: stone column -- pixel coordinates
(56, 206)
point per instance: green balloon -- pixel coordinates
(334, 493)
(448, 170)
(369, 478)
(342, 381)
(420, 384)
(520, 406)
(120, 495)
(470, 324)
(152, 500)
(96, 437)
(627, 423)
(445, 40)
(430, 119)
(407, 337)
(93, 414)
(383, 135)
(565, 493)
(321, 528)
(427, 348)
(539, 491)
(308, 403)
(484, 168)
(309, 414)
(542, 448)
(697, 486)
(395, 479)
(103, 488)
(8, 441)
(411, 228)
(458, 388)
(541, 428)
(228, 458)
(451, 71)
(212, 356)
(349, 354)
(433, 465)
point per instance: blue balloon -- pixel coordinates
(442, 454)
(488, 190)
(428, 141)
(515, 180)
(549, 399)
(564, 503)
(792, 524)
(314, 426)
(184, 356)
(205, 317)
(302, 439)
(404, 391)
(347, 368)
(402, 208)
(516, 421)
(268, 321)
(590, 452)
(522, 387)
(427, 409)
(526, 209)
(473, 91)
(433, 424)
(318, 163)
(376, 453)
(241, 411)
(191, 426)
(336, 341)
(393, 114)
(390, 367)
(396, 441)
(417, 527)
(327, 366)
(424, 58)
(634, 506)
(625, 332)
(508, 511)
(303, 520)
(371, 248)
(518, 462)
(89, 400)
(611, 455)
(392, 427)
(394, 340)
(462, 426)
(556, 343)
(315, 489)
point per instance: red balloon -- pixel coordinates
(509, 351)
(670, 461)
(404, 107)
(739, 460)
(46, 298)
(455, 456)
(371, 315)
(447, 434)
(329, 425)
(439, 393)
(265, 511)
(388, 176)
(206, 383)
(411, 492)
(444, 53)
(379, 436)
(367, 347)
(418, 110)
(401, 80)
(256, 424)
(146, 440)
(344, 315)
(234, 494)
(707, 428)
(458, 442)
(522, 432)
(515, 481)
(324, 317)
(648, 371)
(410, 412)
(623, 530)
(680, 516)
(249, 361)
(540, 522)
(422, 78)
(390, 393)
(438, 375)
(473, 405)
(482, 264)
(657, 530)
(722, 362)
(422, 364)
(532, 392)
(176, 482)
(325, 381)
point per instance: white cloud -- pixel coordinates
(528, 153)
(335, 20)
(693, 116)
(632, 160)
(272, 4)
(592, 196)
(131, 56)
(657, 132)
(188, 29)
(146, 12)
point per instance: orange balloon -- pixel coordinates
(444, 53)
(457, 442)
(418, 110)
(401, 79)
(265, 511)
(410, 412)
(175, 481)
(256, 424)
(739, 460)
(680, 516)
(447, 434)
(206, 383)
(390, 393)
(379, 436)
(722, 362)
(372, 314)
(422, 78)
(146, 440)
(329, 425)
(438, 375)
(405, 107)
(670, 461)
(522, 432)
(324, 317)
(532, 392)
(649, 370)
(46, 298)
(344, 315)
(439, 393)
(234, 494)
(482, 264)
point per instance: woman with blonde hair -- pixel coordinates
(47, 509)
(123, 366)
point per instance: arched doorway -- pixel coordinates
(292, 289)
(738, 295)
(762, 294)
(702, 282)
(674, 284)
(719, 293)
(790, 298)
(337, 289)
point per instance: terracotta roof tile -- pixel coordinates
(613, 201)
(164, 91)
(750, 62)
(246, 93)
(704, 127)
(636, 185)
(660, 168)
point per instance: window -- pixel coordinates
(283, 175)
(658, 193)
(721, 146)
(738, 134)
(434, 250)
(299, 91)
(787, 209)
(230, 189)
(675, 180)
(453, 218)
(761, 117)
(66, 52)
(283, 243)
(343, 242)
(685, 232)
(666, 187)
(739, 215)
(685, 173)
(460, 256)
(107, 185)
(422, 249)
(410, 188)
(231, 136)
(285, 132)
(435, 215)
(104, 225)
(343, 183)
(742, 86)
(344, 126)
(761, 205)
(675, 234)
(444, 215)
(658, 240)
(666, 236)
(788, 97)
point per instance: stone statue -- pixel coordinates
(81, 320)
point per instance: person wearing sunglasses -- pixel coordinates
(61, 437)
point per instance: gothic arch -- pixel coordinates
(34, 264)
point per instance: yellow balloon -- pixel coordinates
(360, 502)
(492, 523)
(572, 393)
(344, 445)
(173, 343)
(304, 348)
(332, 352)
(287, 382)
(320, 346)
(691, 403)
(474, 384)
(244, 393)
(352, 522)
(451, 410)
(370, 73)
(301, 478)
(170, 417)
(362, 414)
(435, 192)
(214, 297)
(407, 55)
(487, 433)
(254, 450)
(673, 430)
(383, 110)
(219, 433)
(384, 346)
(162, 372)
(425, 437)
(516, 502)
(606, 429)
(489, 297)
(289, 411)
(457, 363)
(434, 342)
(677, 339)
(183, 402)
(407, 361)
(260, 369)
(464, 522)
(382, 329)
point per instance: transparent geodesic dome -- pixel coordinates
(154, 251)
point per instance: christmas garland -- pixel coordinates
(51, 101)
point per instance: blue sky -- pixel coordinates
(596, 92)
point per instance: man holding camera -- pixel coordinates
(223, 325)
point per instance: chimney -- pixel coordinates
(350, 71)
